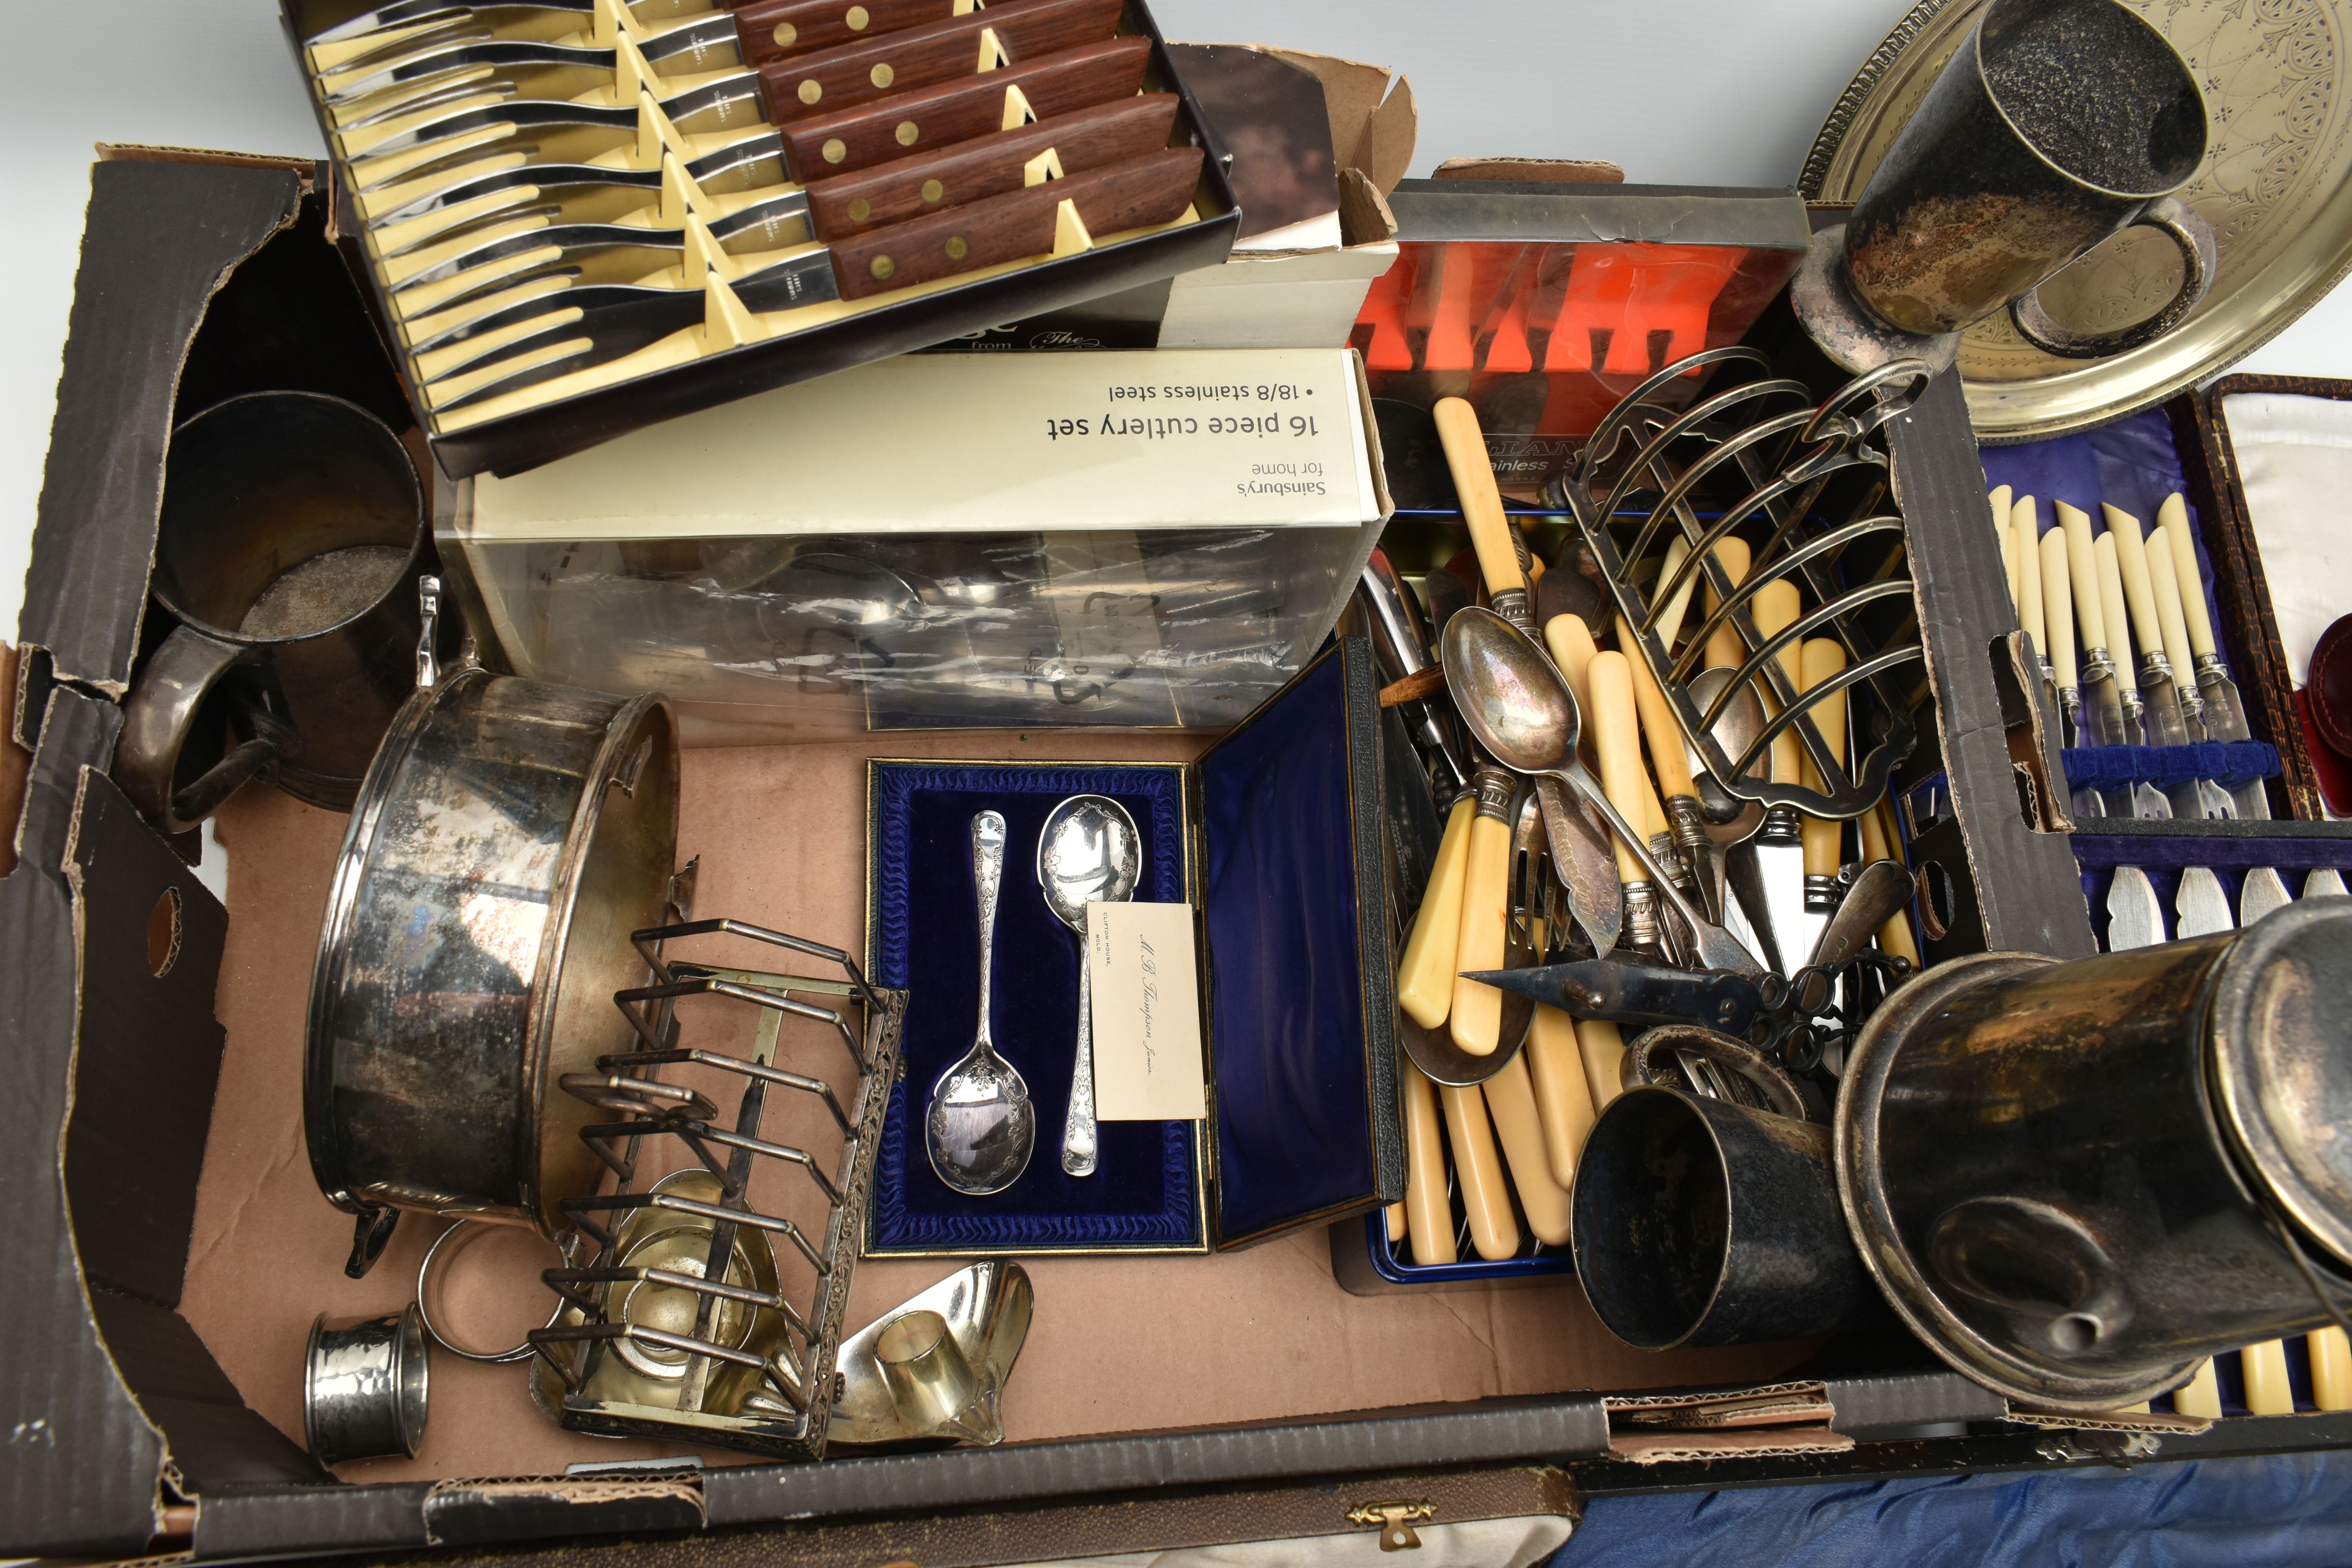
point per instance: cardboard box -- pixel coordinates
(1136, 539)
(734, 351)
(164, 1269)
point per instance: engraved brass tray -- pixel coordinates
(2277, 186)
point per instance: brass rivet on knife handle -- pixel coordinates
(1428, 1218)
(1823, 660)
(864, 68)
(1563, 1097)
(1476, 1015)
(863, 135)
(2172, 517)
(988, 165)
(1482, 509)
(1133, 194)
(1425, 973)
(1617, 741)
(1478, 1170)
(1511, 1103)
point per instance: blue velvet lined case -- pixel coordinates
(1273, 836)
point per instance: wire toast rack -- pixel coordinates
(699, 1317)
(1807, 481)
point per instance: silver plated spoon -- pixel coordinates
(981, 1127)
(1089, 853)
(1519, 707)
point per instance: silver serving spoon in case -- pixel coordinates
(981, 1127)
(1089, 853)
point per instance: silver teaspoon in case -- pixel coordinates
(981, 1127)
(1089, 853)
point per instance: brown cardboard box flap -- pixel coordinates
(1672, 1447)
(1544, 170)
(2163, 1422)
(1373, 121)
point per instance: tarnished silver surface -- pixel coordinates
(987, 1309)
(1089, 853)
(364, 1387)
(1522, 710)
(982, 1125)
(509, 838)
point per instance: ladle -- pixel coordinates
(1522, 710)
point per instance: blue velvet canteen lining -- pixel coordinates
(926, 938)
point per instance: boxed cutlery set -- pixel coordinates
(1493, 891)
(575, 219)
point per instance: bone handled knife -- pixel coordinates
(2160, 694)
(868, 68)
(1478, 1167)
(2100, 716)
(1428, 1218)
(1425, 973)
(2208, 798)
(2025, 531)
(1518, 1125)
(2058, 624)
(1670, 760)
(1491, 532)
(1476, 1015)
(2143, 799)
(1778, 846)
(2225, 711)
(1134, 194)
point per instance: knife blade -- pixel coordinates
(1779, 848)
(2143, 799)
(2264, 891)
(1822, 660)
(992, 164)
(1580, 850)
(1618, 991)
(2202, 907)
(2225, 711)
(1135, 192)
(2134, 917)
(2324, 884)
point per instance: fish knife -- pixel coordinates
(2264, 891)
(2202, 907)
(2134, 917)
(2324, 884)
(2225, 711)
(1133, 194)
(2158, 692)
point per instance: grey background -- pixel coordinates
(1725, 93)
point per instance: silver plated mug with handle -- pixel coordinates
(293, 534)
(2058, 124)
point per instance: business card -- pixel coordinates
(1146, 1012)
